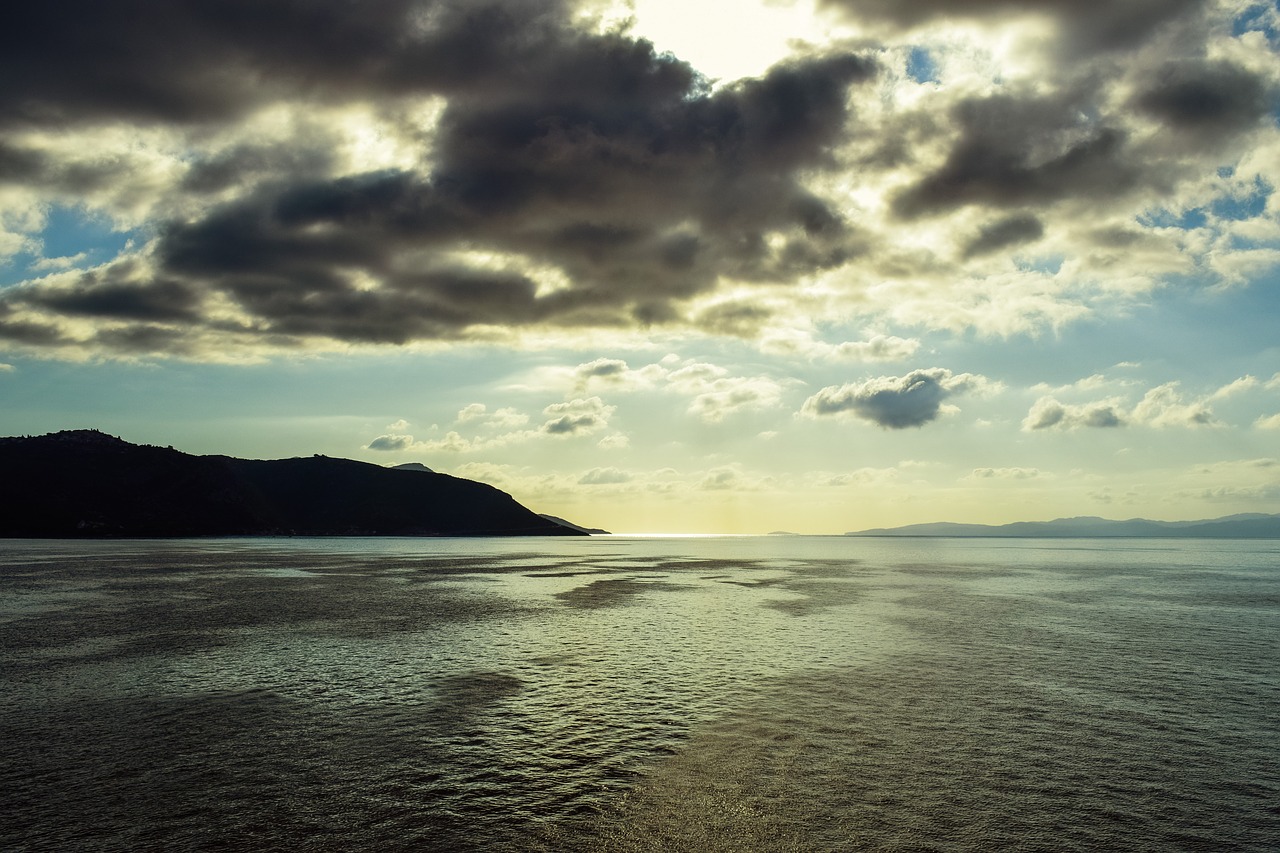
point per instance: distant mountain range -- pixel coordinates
(1244, 526)
(84, 483)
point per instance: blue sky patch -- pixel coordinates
(1236, 208)
(921, 66)
(1050, 264)
(1187, 220)
(67, 233)
(1254, 19)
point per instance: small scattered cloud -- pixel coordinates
(478, 415)
(1239, 386)
(472, 412)
(877, 348)
(6, 368)
(894, 402)
(719, 479)
(391, 443)
(398, 426)
(603, 371)
(1160, 407)
(616, 441)
(1108, 495)
(58, 264)
(577, 417)
(487, 472)
(604, 477)
(506, 418)
(1004, 233)
(727, 396)
(1163, 406)
(715, 391)
(1267, 422)
(1048, 413)
(1089, 383)
(452, 442)
(859, 477)
(1233, 494)
(801, 343)
(1005, 474)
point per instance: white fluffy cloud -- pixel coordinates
(1048, 413)
(391, 443)
(577, 417)
(1163, 406)
(1268, 422)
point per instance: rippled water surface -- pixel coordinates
(771, 693)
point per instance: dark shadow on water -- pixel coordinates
(612, 592)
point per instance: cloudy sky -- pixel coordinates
(662, 265)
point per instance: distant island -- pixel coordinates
(1243, 526)
(85, 483)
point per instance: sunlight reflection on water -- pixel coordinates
(770, 693)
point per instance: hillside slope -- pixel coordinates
(86, 483)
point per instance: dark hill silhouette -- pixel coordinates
(412, 466)
(86, 483)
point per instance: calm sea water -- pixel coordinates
(744, 694)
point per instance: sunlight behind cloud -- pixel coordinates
(728, 39)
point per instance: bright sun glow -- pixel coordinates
(728, 39)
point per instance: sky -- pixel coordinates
(684, 266)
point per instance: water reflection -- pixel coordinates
(764, 694)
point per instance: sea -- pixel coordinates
(613, 693)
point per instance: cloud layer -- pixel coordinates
(338, 173)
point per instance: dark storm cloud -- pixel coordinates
(67, 61)
(1014, 150)
(141, 338)
(252, 162)
(72, 61)
(1085, 25)
(734, 318)
(588, 154)
(17, 164)
(27, 332)
(157, 300)
(435, 304)
(1001, 234)
(892, 402)
(563, 176)
(1217, 97)
(27, 167)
